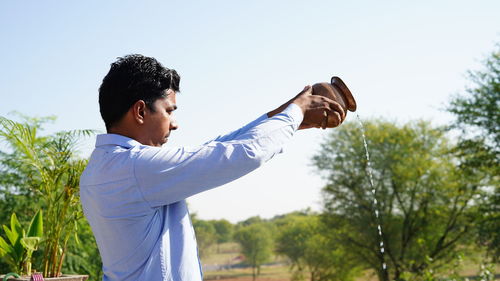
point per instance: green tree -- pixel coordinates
(477, 111)
(477, 117)
(83, 255)
(250, 220)
(308, 243)
(256, 244)
(423, 200)
(224, 230)
(205, 235)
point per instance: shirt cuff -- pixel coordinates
(295, 112)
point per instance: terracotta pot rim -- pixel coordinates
(351, 103)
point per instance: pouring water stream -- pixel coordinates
(375, 203)
(337, 90)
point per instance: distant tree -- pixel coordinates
(250, 220)
(224, 230)
(477, 117)
(423, 200)
(256, 244)
(308, 243)
(206, 236)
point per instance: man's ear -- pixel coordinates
(139, 111)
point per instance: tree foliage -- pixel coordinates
(83, 255)
(223, 230)
(479, 108)
(206, 235)
(256, 243)
(423, 200)
(312, 251)
(18, 181)
(477, 116)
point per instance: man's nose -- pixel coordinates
(174, 125)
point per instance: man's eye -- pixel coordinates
(170, 110)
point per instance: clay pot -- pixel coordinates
(335, 90)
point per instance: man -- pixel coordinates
(133, 190)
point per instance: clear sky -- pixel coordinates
(239, 59)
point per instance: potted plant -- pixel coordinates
(55, 170)
(21, 244)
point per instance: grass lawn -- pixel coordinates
(268, 273)
(228, 253)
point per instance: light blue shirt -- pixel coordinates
(133, 195)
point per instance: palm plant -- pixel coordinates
(52, 165)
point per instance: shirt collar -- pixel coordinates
(114, 139)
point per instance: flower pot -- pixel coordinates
(64, 277)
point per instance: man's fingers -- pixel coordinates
(335, 118)
(336, 113)
(319, 111)
(324, 123)
(337, 108)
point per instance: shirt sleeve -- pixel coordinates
(167, 175)
(234, 134)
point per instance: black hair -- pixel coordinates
(132, 78)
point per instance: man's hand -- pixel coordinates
(319, 112)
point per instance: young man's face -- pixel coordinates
(161, 122)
